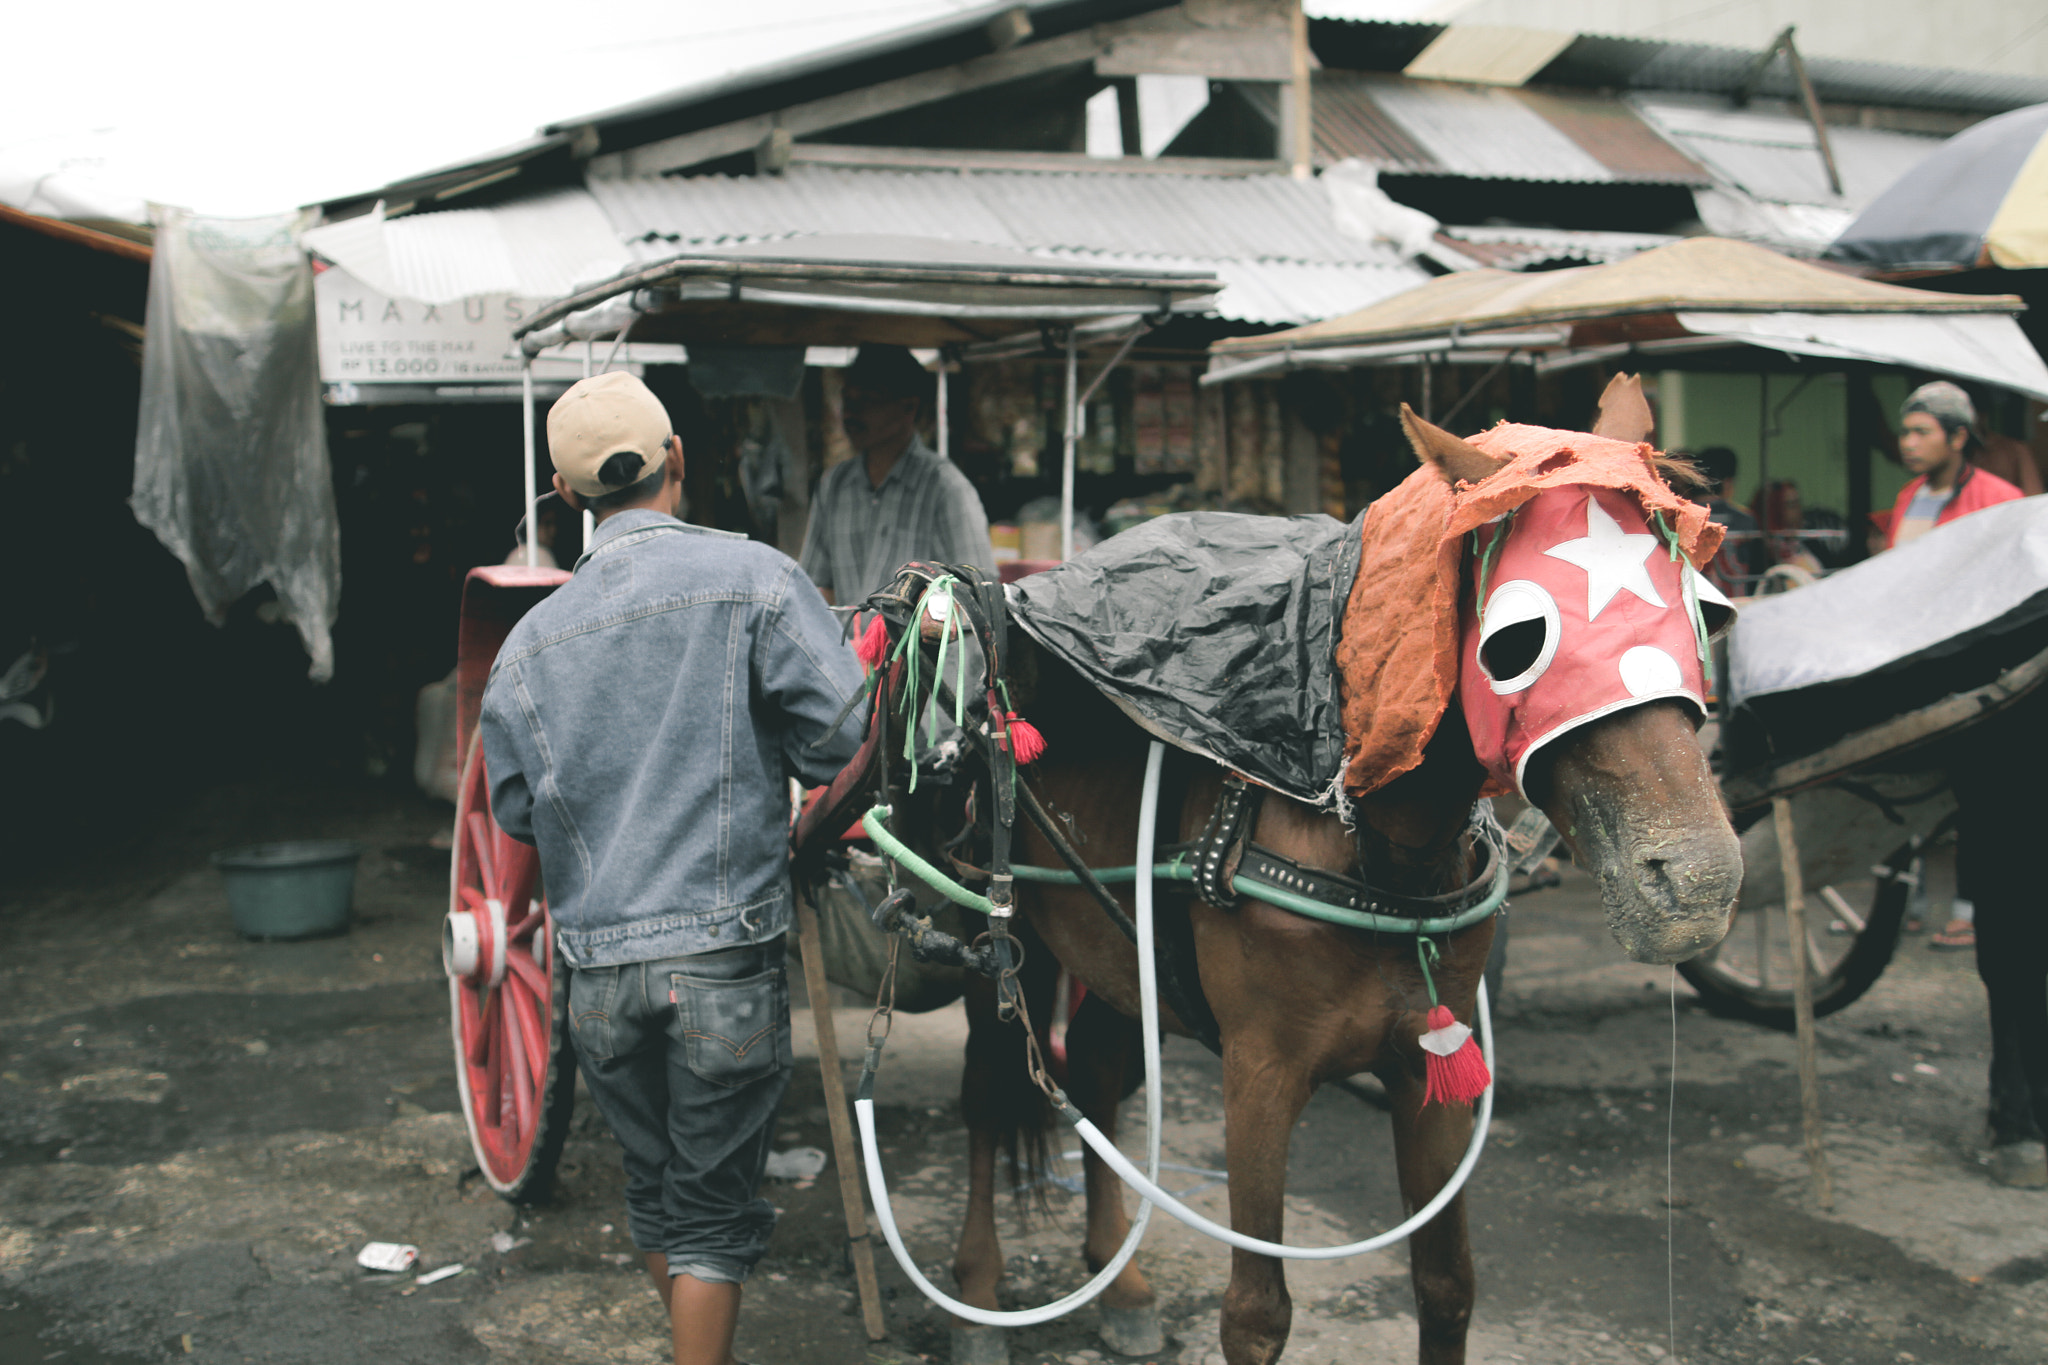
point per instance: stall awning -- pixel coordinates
(857, 288)
(1983, 347)
(1699, 292)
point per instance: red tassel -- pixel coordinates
(1455, 1069)
(874, 643)
(1025, 741)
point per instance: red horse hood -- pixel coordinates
(1399, 660)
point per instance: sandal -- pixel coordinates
(1958, 935)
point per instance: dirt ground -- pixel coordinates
(197, 1133)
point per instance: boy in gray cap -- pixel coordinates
(1936, 439)
(641, 726)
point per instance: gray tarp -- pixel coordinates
(1218, 631)
(231, 469)
(1894, 633)
(1938, 213)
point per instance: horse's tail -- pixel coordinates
(997, 1093)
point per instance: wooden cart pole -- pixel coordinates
(1802, 1003)
(845, 1159)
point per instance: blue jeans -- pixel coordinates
(688, 1058)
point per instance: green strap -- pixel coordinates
(1179, 870)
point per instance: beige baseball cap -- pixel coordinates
(607, 415)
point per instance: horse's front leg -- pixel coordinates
(1429, 1141)
(1264, 1091)
(1102, 1058)
(978, 1260)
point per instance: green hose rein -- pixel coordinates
(1179, 870)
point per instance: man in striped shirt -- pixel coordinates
(899, 501)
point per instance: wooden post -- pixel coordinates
(1299, 120)
(845, 1159)
(1802, 1003)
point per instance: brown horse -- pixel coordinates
(1298, 1001)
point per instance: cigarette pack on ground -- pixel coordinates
(390, 1256)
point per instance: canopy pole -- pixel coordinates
(1067, 458)
(939, 412)
(526, 408)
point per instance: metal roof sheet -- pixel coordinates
(1419, 127)
(1202, 218)
(1271, 239)
(1515, 248)
(533, 248)
(1768, 150)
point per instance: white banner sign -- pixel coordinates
(369, 338)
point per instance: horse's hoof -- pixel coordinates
(978, 1345)
(1132, 1331)
(2021, 1165)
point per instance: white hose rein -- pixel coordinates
(1145, 1183)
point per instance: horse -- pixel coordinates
(1297, 1001)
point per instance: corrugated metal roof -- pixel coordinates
(1513, 248)
(1418, 127)
(1768, 150)
(1797, 229)
(1203, 218)
(1271, 239)
(1284, 292)
(534, 248)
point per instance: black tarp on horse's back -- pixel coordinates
(1216, 632)
(1949, 612)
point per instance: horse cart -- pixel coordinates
(506, 990)
(1852, 698)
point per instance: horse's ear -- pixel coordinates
(1455, 459)
(1624, 413)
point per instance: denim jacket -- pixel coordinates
(641, 724)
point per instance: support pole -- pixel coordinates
(939, 422)
(526, 407)
(845, 1161)
(1067, 455)
(1802, 1004)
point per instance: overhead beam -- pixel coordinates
(854, 106)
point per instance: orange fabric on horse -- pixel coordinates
(1398, 659)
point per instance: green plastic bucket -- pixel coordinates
(300, 889)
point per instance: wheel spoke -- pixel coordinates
(1763, 948)
(480, 831)
(528, 972)
(481, 1053)
(532, 1008)
(1843, 910)
(473, 900)
(521, 1069)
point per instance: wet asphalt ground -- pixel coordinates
(197, 1133)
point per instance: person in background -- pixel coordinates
(1936, 439)
(641, 725)
(1743, 556)
(898, 501)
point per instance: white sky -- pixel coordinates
(233, 107)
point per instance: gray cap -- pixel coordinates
(1944, 402)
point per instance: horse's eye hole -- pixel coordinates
(1518, 635)
(1717, 613)
(1513, 650)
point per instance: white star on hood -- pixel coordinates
(1612, 559)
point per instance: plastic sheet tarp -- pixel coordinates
(1944, 614)
(231, 469)
(1217, 632)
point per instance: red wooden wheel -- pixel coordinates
(507, 999)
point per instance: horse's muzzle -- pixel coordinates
(1635, 800)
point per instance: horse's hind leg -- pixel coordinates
(1102, 1065)
(1263, 1094)
(1429, 1141)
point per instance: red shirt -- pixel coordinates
(1976, 490)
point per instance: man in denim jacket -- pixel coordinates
(641, 725)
